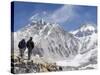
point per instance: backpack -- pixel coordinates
(22, 44)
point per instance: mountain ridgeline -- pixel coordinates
(52, 41)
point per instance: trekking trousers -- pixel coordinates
(29, 53)
(22, 52)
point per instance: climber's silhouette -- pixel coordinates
(22, 47)
(30, 46)
(60, 68)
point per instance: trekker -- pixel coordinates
(22, 47)
(30, 46)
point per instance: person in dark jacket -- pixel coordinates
(60, 68)
(22, 47)
(30, 46)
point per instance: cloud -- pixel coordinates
(39, 15)
(44, 12)
(34, 16)
(63, 14)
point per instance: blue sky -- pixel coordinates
(70, 17)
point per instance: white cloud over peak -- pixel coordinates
(63, 14)
(34, 16)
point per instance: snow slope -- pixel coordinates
(87, 56)
(76, 48)
(50, 40)
(84, 30)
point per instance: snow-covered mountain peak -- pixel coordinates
(87, 27)
(84, 30)
(38, 22)
(76, 48)
(50, 39)
(56, 45)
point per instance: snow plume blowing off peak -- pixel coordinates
(51, 41)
